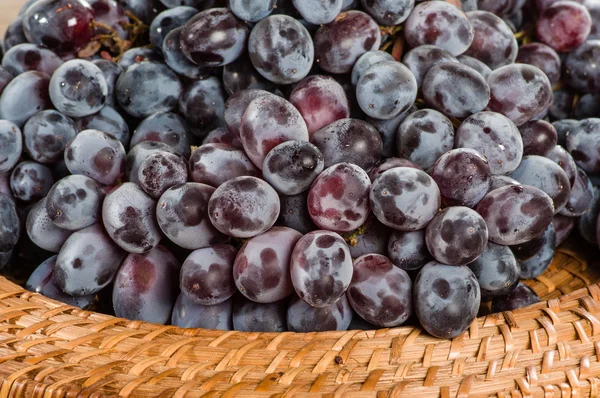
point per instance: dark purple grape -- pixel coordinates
(587, 107)
(87, 262)
(495, 137)
(527, 250)
(367, 60)
(145, 286)
(236, 106)
(389, 12)
(207, 275)
(446, 299)
(42, 231)
(241, 75)
(370, 238)
(46, 134)
(463, 177)
(564, 226)
(339, 44)
(405, 199)
(202, 105)
(424, 136)
(146, 10)
(563, 129)
(41, 275)
(564, 159)
(564, 26)
(593, 6)
(521, 296)
(176, 59)
(494, 43)
(543, 57)
(139, 153)
(75, 202)
(408, 250)
(97, 155)
(166, 127)
(244, 207)
(303, 318)
(476, 64)
(390, 163)
(318, 12)
(168, 20)
(10, 226)
(294, 213)
(14, 34)
(251, 10)
(223, 136)
(499, 181)
(197, 4)
(29, 57)
(420, 59)
(516, 214)
(496, 270)
(388, 130)
(581, 198)
(586, 224)
(24, 96)
(11, 145)
(580, 67)
(5, 78)
(539, 138)
(109, 121)
(583, 142)
(539, 263)
(30, 181)
(249, 316)
(161, 171)
(110, 13)
(441, 24)
(214, 37)
(215, 164)
(128, 214)
(562, 107)
(138, 55)
(187, 314)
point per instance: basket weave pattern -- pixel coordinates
(550, 349)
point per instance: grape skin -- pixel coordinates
(390, 163)
(580, 71)
(582, 142)
(499, 181)
(476, 64)
(11, 145)
(138, 153)
(318, 12)
(420, 59)
(168, 20)
(165, 127)
(539, 263)
(223, 136)
(587, 106)
(370, 238)
(389, 12)
(586, 224)
(42, 231)
(303, 318)
(187, 314)
(112, 14)
(543, 57)
(109, 121)
(215, 164)
(521, 296)
(236, 105)
(251, 10)
(138, 55)
(14, 34)
(30, 181)
(176, 59)
(201, 105)
(494, 43)
(46, 134)
(564, 226)
(160, 171)
(564, 26)
(294, 213)
(582, 195)
(249, 316)
(496, 270)
(408, 250)
(29, 57)
(367, 60)
(10, 225)
(539, 138)
(24, 96)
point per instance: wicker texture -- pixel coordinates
(551, 349)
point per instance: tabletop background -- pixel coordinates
(8, 11)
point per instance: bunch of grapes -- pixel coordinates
(302, 165)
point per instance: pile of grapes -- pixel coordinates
(302, 165)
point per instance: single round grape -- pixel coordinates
(75, 202)
(303, 318)
(389, 12)
(521, 296)
(349, 141)
(338, 200)
(564, 25)
(168, 20)
(494, 136)
(112, 14)
(24, 96)
(30, 181)
(539, 138)
(519, 92)
(145, 286)
(390, 163)
(561, 109)
(367, 60)
(496, 270)
(206, 276)
(292, 166)
(543, 173)
(29, 57)
(582, 143)
(60, 25)
(202, 105)
(160, 171)
(87, 262)
(543, 57)
(42, 231)
(408, 250)
(41, 275)
(176, 59)
(14, 34)
(249, 316)
(187, 314)
(587, 106)
(10, 226)
(580, 69)
(236, 106)
(244, 207)
(251, 10)
(476, 64)
(11, 145)
(527, 250)
(214, 37)
(46, 134)
(499, 181)
(586, 224)
(339, 44)
(539, 263)
(215, 164)
(318, 12)
(321, 268)
(109, 121)
(5, 78)
(446, 299)
(128, 214)
(321, 101)
(370, 238)
(97, 155)
(223, 136)
(137, 55)
(294, 213)
(145, 10)
(564, 226)
(165, 127)
(441, 24)
(494, 43)
(516, 214)
(424, 136)
(581, 198)
(146, 88)
(420, 59)
(405, 199)
(139, 153)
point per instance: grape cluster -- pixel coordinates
(305, 165)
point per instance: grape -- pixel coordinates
(46, 134)
(389, 12)
(539, 263)
(370, 238)
(109, 121)
(42, 231)
(456, 236)
(580, 67)
(97, 155)
(146, 88)
(129, 218)
(244, 207)
(5, 78)
(564, 159)
(11, 145)
(476, 64)
(303, 318)
(60, 25)
(388, 130)
(24, 96)
(10, 226)
(495, 137)
(367, 60)
(146, 10)
(350, 141)
(339, 44)
(5, 186)
(268, 121)
(241, 75)
(318, 12)
(586, 224)
(14, 34)
(198, 4)
(562, 107)
(390, 163)
(582, 143)
(30, 181)
(41, 275)
(207, 275)
(251, 10)
(494, 43)
(521, 296)
(166, 127)
(463, 177)
(441, 24)
(29, 57)
(546, 175)
(214, 37)
(516, 214)
(593, 7)
(138, 55)
(446, 299)
(564, 226)
(187, 314)
(339, 198)
(539, 138)
(139, 153)
(223, 136)
(249, 316)
(111, 71)
(87, 262)
(582, 195)
(408, 250)
(564, 25)
(405, 199)
(587, 106)
(528, 250)
(168, 20)
(294, 213)
(110, 13)
(176, 59)
(75, 202)
(321, 101)
(160, 171)
(420, 59)
(499, 8)
(496, 270)
(182, 214)
(349, 4)
(145, 286)
(499, 181)
(202, 105)
(215, 164)
(543, 57)
(236, 106)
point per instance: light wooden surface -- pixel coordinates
(9, 9)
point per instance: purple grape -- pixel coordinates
(496, 270)
(236, 106)
(241, 75)
(539, 138)
(41, 275)
(249, 316)
(165, 127)
(139, 153)
(521, 296)
(138, 55)
(318, 12)
(176, 59)
(564, 26)
(187, 314)
(370, 238)
(109, 121)
(564, 226)
(564, 159)
(14, 34)
(5, 78)
(145, 10)
(528, 250)
(24, 96)
(499, 181)
(42, 231)
(160, 171)
(390, 163)
(564, 128)
(251, 10)
(11, 145)
(543, 57)
(202, 104)
(367, 60)
(46, 134)
(30, 181)
(587, 106)
(29, 57)
(420, 59)
(539, 263)
(197, 4)
(168, 20)
(408, 250)
(586, 224)
(215, 164)
(303, 318)
(10, 225)
(476, 64)
(294, 213)
(223, 136)
(110, 13)
(562, 107)
(582, 143)
(581, 198)
(580, 69)
(494, 43)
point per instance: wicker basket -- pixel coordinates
(550, 349)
